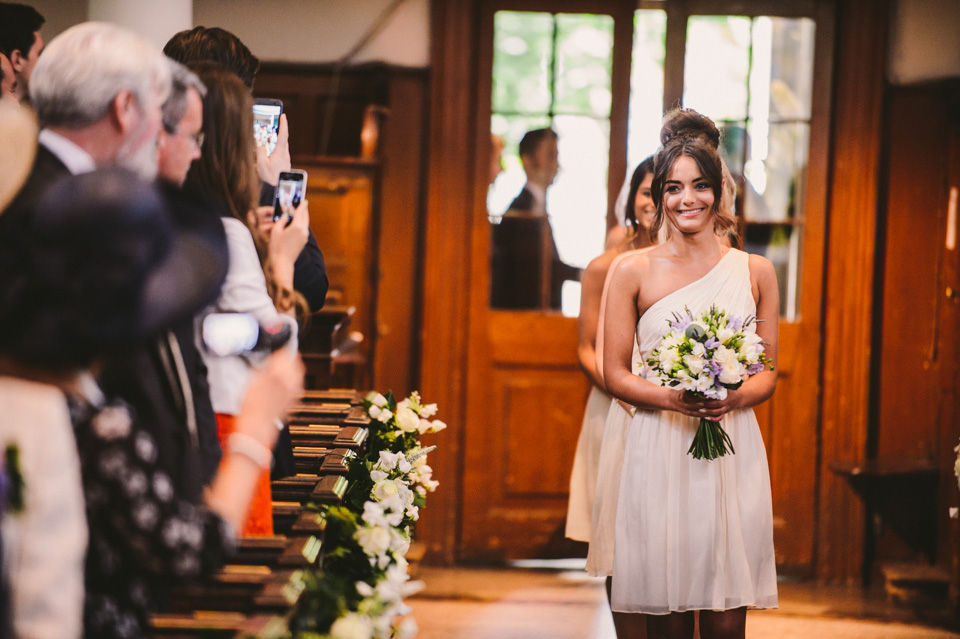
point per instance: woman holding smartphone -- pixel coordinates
(260, 274)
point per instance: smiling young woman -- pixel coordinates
(691, 535)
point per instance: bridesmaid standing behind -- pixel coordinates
(638, 215)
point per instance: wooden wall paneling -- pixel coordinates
(948, 530)
(915, 217)
(450, 210)
(855, 149)
(793, 412)
(403, 154)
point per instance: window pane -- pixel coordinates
(791, 67)
(522, 57)
(732, 140)
(646, 84)
(511, 128)
(584, 59)
(781, 245)
(775, 171)
(577, 202)
(716, 65)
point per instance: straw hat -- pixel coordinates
(18, 146)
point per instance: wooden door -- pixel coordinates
(526, 393)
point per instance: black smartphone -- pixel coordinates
(290, 190)
(266, 122)
(226, 334)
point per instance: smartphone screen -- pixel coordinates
(290, 191)
(266, 122)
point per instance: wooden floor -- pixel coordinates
(564, 603)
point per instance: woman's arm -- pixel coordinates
(286, 239)
(591, 290)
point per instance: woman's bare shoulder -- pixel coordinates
(760, 268)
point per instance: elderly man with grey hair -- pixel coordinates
(97, 90)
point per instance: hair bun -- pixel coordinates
(689, 124)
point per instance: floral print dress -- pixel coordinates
(143, 536)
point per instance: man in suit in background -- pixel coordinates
(527, 271)
(20, 41)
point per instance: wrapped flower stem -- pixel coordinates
(710, 441)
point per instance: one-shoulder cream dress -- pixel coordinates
(694, 534)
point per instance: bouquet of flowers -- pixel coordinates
(707, 356)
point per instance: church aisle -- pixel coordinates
(523, 603)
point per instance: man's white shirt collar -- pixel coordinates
(539, 197)
(73, 157)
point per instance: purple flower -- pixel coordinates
(735, 323)
(753, 369)
(713, 342)
(714, 368)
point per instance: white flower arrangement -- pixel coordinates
(388, 486)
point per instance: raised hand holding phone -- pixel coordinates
(287, 241)
(273, 139)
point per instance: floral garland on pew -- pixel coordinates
(358, 592)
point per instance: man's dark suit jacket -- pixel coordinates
(517, 261)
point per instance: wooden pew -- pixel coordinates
(265, 578)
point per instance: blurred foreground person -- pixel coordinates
(104, 271)
(43, 532)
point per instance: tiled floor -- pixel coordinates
(527, 603)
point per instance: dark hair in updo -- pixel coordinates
(686, 132)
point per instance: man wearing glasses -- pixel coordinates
(181, 137)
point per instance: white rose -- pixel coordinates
(352, 626)
(388, 460)
(437, 426)
(375, 540)
(699, 349)
(732, 372)
(403, 403)
(384, 489)
(428, 411)
(694, 363)
(407, 629)
(376, 398)
(407, 420)
(724, 334)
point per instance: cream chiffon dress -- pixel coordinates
(693, 534)
(583, 478)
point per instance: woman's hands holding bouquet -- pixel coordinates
(692, 405)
